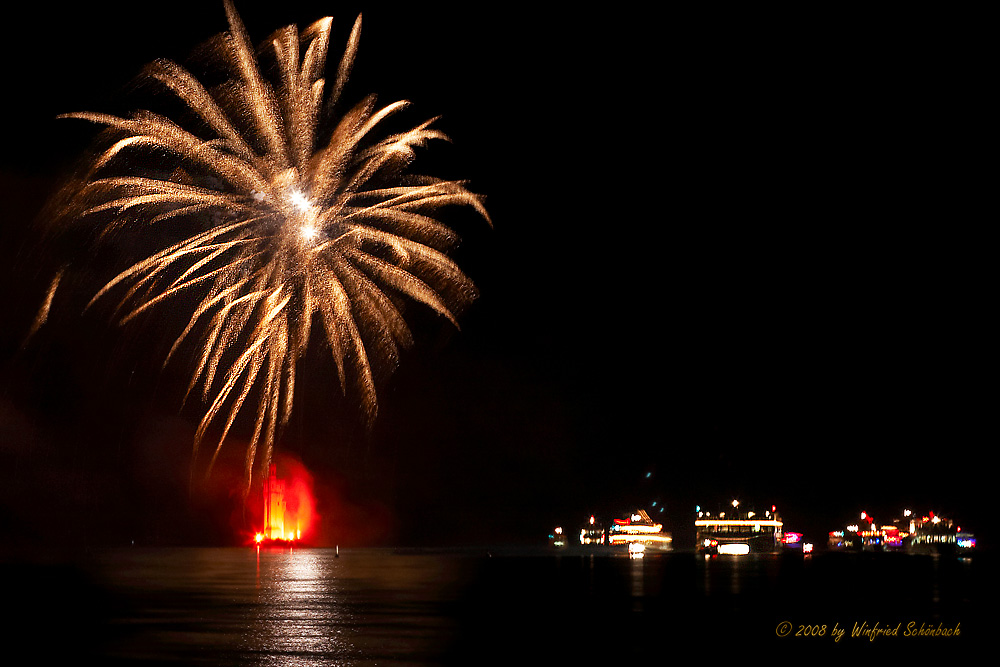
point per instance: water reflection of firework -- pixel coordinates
(282, 217)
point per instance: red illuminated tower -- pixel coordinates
(274, 506)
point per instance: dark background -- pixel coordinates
(733, 255)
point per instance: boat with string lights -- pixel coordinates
(639, 534)
(738, 531)
(935, 534)
(912, 533)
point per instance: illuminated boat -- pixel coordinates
(738, 532)
(868, 535)
(935, 534)
(932, 534)
(639, 534)
(592, 533)
(280, 527)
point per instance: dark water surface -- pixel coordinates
(374, 607)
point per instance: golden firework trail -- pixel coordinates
(294, 226)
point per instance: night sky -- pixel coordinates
(732, 256)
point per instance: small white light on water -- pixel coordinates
(734, 549)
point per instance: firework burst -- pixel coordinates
(292, 219)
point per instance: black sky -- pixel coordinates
(736, 252)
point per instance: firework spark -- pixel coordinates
(292, 219)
